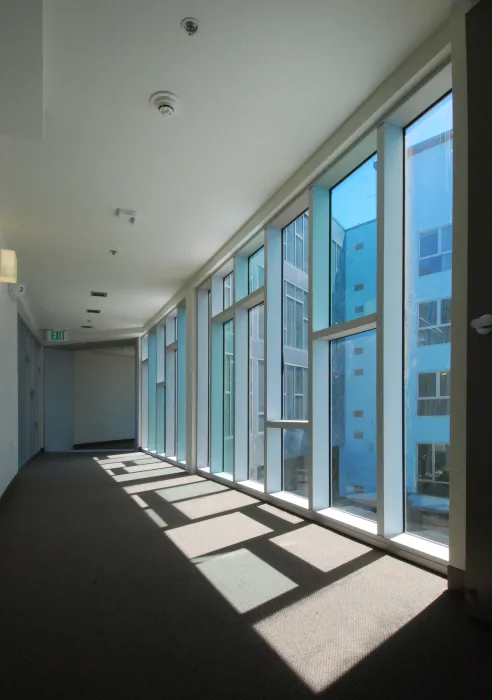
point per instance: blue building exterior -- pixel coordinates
(427, 348)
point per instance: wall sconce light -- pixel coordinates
(8, 266)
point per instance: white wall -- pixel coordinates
(58, 400)
(104, 396)
(8, 387)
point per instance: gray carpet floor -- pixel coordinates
(121, 578)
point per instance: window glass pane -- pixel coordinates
(152, 391)
(429, 266)
(228, 441)
(353, 233)
(427, 385)
(427, 314)
(428, 215)
(160, 418)
(256, 394)
(447, 238)
(294, 460)
(256, 264)
(295, 322)
(446, 311)
(445, 381)
(228, 300)
(353, 425)
(429, 243)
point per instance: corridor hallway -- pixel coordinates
(128, 578)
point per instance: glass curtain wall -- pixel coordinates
(144, 400)
(295, 317)
(428, 261)
(353, 358)
(228, 406)
(256, 462)
(308, 386)
(161, 392)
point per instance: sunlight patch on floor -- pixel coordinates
(147, 467)
(324, 635)
(164, 484)
(155, 517)
(180, 493)
(201, 538)
(211, 505)
(282, 514)
(322, 548)
(165, 471)
(245, 580)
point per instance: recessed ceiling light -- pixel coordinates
(93, 311)
(87, 326)
(99, 294)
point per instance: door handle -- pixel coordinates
(483, 324)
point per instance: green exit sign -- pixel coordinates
(57, 336)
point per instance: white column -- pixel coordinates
(390, 480)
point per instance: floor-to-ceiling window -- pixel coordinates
(161, 391)
(228, 409)
(144, 394)
(295, 315)
(353, 356)
(256, 452)
(323, 372)
(428, 263)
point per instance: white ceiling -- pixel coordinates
(262, 85)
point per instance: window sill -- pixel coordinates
(223, 475)
(422, 546)
(287, 497)
(253, 485)
(348, 519)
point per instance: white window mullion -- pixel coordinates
(319, 350)
(390, 331)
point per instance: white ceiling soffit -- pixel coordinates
(261, 86)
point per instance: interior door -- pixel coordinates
(479, 347)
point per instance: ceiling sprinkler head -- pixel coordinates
(165, 102)
(190, 26)
(166, 110)
(113, 252)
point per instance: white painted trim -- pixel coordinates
(253, 485)
(224, 316)
(349, 328)
(254, 299)
(288, 424)
(421, 545)
(358, 523)
(286, 497)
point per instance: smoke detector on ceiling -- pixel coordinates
(166, 103)
(189, 25)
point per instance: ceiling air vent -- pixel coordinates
(93, 311)
(99, 294)
(87, 326)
